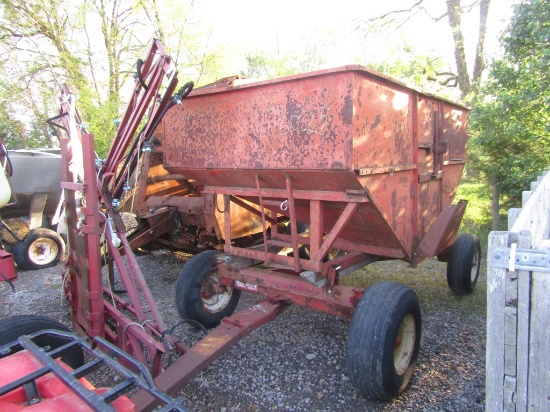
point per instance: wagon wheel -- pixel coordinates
(199, 296)
(16, 326)
(42, 248)
(384, 340)
(463, 265)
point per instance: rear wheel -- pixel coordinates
(463, 264)
(384, 340)
(42, 248)
(200, 296)
(16, 326)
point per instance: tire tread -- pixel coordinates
(459, 265)
(364, 349)
(20, 250)
(16, 326)
(189, 282)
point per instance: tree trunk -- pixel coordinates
(454, 12)
(495, 205)
(479, 63)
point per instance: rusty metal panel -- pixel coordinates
(428, 199)
(156, 186)
(302, 122)
(382, 123)
(333, 130)
(243, 222)
(442, 233)
(455, 123)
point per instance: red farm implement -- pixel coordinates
(290, 184)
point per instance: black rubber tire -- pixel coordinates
(30, 253)
(463, 264)
(189, 291)
(373, 336)
(16, 326)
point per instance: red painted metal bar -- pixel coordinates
(133, 279)
(316, 227)
(343, 244)
(249, 208)
(415, 145)
(154, 116)
(70, 211)
(274, 258)
(134, 330)
(262, 210)
(227, 223)
(335, 231)
(95, 286)
(155, 67)
(210, 348)
(140, 331)
(293, 222)
(356, 196)
(339, 300)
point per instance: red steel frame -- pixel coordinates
(239, 271)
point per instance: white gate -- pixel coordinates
(518, 307)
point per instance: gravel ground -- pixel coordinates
(297, 362)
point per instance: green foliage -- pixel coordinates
(510, 119)
(477, 218)
(100, 121)
(14, 133)
(262, 65)
(419, 71)
(306, 57)
(10, 129)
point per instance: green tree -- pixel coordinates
(92, 45)
(510, 122)
(307, 56)
(41, 40)
(466, 78)
(418, 70)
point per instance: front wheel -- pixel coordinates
(200, 296)
(384, 340)
(463, 265)
(42, 248)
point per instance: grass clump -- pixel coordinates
(428, 280)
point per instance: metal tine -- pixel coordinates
(118, 390)
(87, 368)
(63, 348)
(25, 379)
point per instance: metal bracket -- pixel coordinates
(521, 259)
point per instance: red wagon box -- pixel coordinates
(345, 130)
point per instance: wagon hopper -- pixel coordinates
(343, 135)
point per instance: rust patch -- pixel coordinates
(346, 114)
(376, 122)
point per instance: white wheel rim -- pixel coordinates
(43, 251)
(475, 262)
(404, 344)
(214, 302)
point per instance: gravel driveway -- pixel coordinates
(296, 362)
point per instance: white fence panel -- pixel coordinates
(518, 307)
